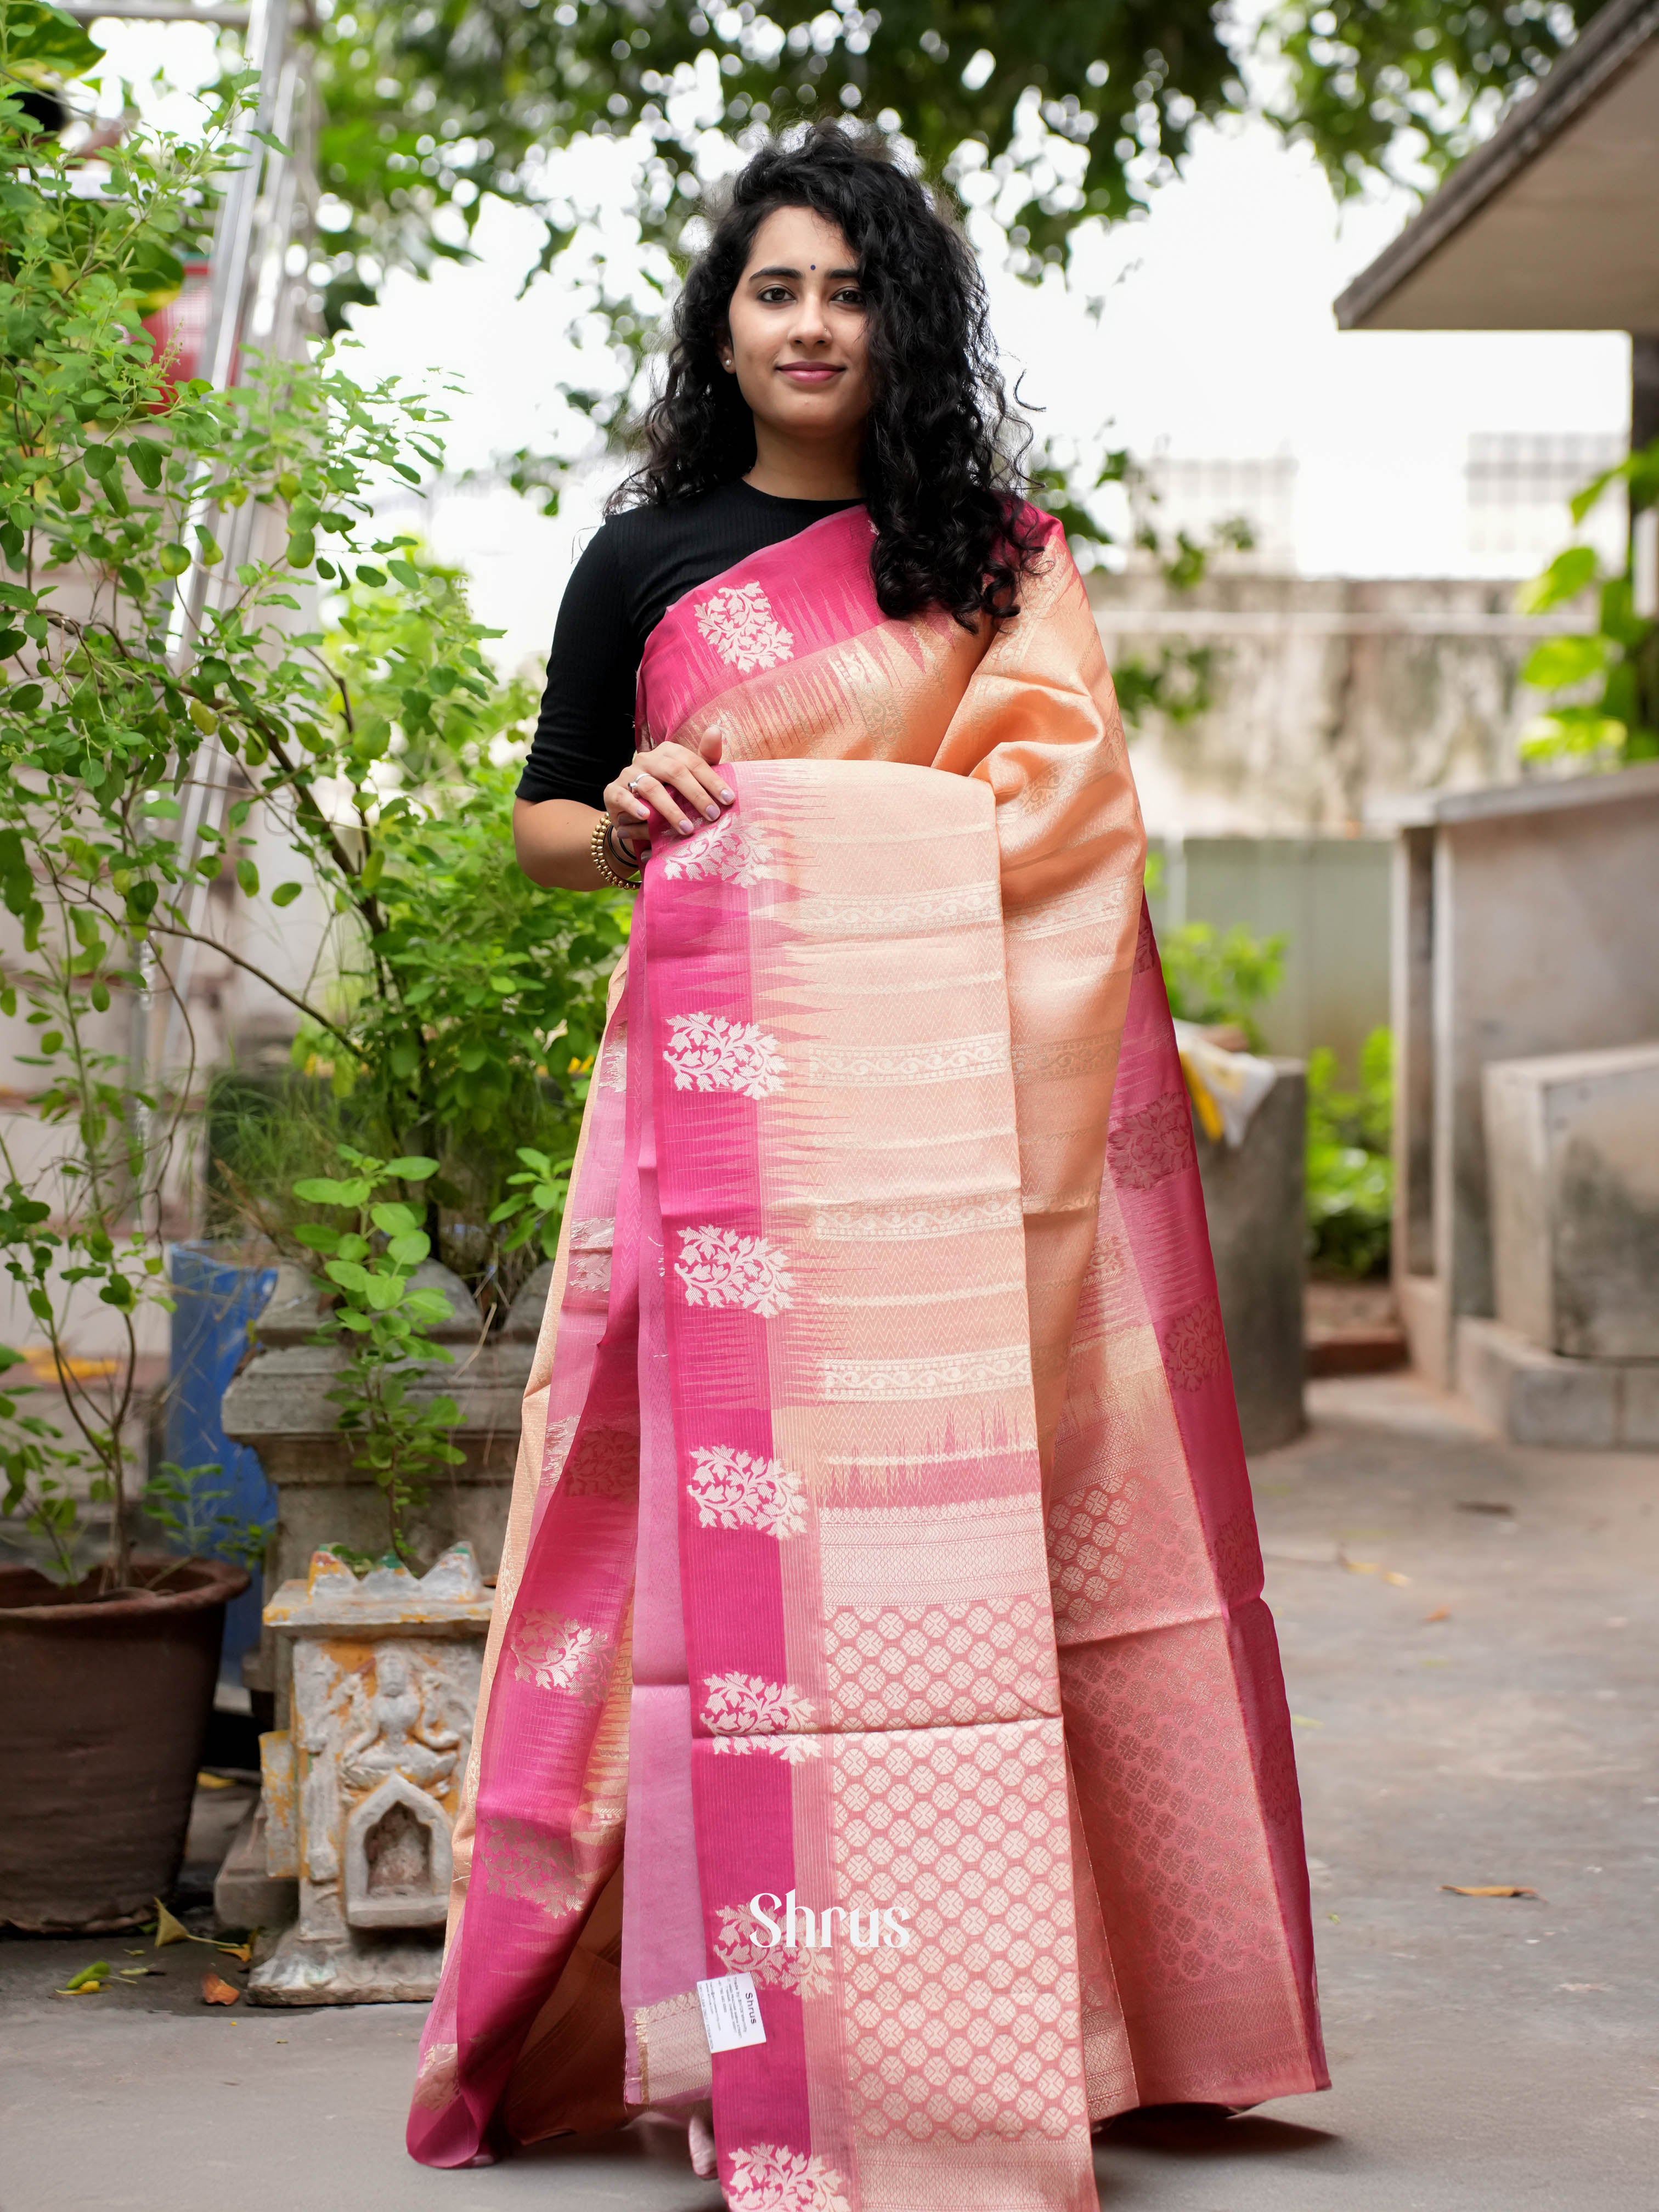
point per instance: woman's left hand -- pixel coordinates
(685, 788)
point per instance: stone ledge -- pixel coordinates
(1534, 1397)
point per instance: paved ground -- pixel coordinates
(1473, 1644)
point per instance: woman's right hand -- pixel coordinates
(685, 788)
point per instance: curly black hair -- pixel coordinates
(941, 465)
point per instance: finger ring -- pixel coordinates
(636, 782)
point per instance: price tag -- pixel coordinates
(731, 2012)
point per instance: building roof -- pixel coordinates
(1553, 224)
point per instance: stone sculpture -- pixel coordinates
(362, 1787)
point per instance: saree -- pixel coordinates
(880, 1613)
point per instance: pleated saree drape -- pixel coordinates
(880, 1613)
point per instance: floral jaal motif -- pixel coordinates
(612, 1072)
(740, 625)
(561, 1434)
(727, 849)
(518, 1858)
(604, 1463)
(1194, 1345)
(734, 1489)
(742, 1949)
(1151, 1142)
(708, 1053)
(744, 1704)
(723, 1267)
(436, 2085)
(769, 2178)
(558, 1654)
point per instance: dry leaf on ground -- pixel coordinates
(168, 1929)
(1440, 1613)
(216, 1991)
(1487, 1889)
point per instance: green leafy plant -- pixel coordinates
(382, 1319)
(149, 702)
(36, 1471)
(180, 1500)
(1350, 1160)
(1614, 667)
(1221, 976)
(535, 1203)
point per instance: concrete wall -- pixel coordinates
(1328, 896)
(1331, 695)
(1526, 921)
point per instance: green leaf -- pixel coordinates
(248, 877)
(148, 459)
(406, 574)
(1566, 576)
(173, 560)
(412, 1168)
(349, 1275)
(410, 1249)
(317, 1235)
(327, 1190)
(285, 894)
(1562, 660)
(396, 1220)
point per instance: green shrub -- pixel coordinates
(1215, 976)
(1350, 1161)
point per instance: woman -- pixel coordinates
(879, 1618)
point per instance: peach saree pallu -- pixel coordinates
(880, 1614)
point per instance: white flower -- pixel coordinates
(739, 622)
(769, 2178)
(744, 1704)
(723, 1267)
(734, 1489)
(708, 1053)
(727, 848)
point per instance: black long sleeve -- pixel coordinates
(632, 571)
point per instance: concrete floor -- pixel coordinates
(1487, 1716)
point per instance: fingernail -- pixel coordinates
(713, 812)
(642, 812)
(686, 828)
(730, 797)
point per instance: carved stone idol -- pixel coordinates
(362, 1787)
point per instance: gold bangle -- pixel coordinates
(608, 873)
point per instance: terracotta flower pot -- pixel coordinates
(103, 1707)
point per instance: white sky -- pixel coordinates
(1216, 340)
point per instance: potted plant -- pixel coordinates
(167, 723)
